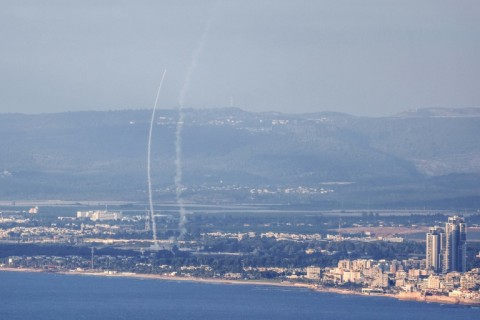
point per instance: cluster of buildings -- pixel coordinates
(446, 248)
(279, 236)
(39, 234)
(442, 273)
(100, 215)
(408, 277)
(289, 190)
(72, 234)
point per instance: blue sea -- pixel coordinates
(28, 296)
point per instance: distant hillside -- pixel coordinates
(442, 112)
(429, 157)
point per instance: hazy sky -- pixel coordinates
(370, 57)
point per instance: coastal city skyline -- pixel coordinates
(239, 160)
(406, 278)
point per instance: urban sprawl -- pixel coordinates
(112, 243)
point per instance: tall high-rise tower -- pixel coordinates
(435, 249)
(455, 254)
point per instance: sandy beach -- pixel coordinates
(232, 282)
(191, 279)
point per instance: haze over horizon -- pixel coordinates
(373, 58)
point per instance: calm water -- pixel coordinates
(50, 296)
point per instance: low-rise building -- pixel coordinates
(313, 273)
(100, 215)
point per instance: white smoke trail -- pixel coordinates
(149, 153)
(178, 133)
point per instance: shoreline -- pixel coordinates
(401, 297)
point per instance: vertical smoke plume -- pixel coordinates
(149, 156)
(178, 133)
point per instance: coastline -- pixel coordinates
(416, 296)
(166, 277)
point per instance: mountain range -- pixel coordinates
(425, 158)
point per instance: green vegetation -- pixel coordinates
(392, 162)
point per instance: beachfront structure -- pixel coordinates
(313, 273)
